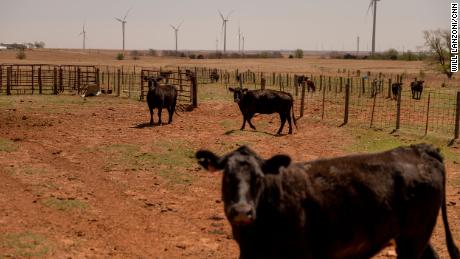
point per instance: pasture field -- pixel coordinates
(89, 177)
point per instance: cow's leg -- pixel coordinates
(151, 116)
(244, 122)
(249, 121)
(289, 121)
(170, 113)
(283, 121)
(159, 116)
(430, 253)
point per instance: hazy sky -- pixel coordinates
(266, 24)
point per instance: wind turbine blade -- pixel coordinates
(371, 4)
(118, 19)
(180, 24)
(228, 15)
(172, 26)
(126, 15)
(221, 15)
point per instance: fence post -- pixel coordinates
(389, 88)
(78, 81)
(40, 83)
(373, 110)
(347, 102)
(118, 82)
(194, 80)
(33, 81)
(141, 95)
(457, 118)
(262, 82)
(398, 111)
(302, 101)
(324, 98)
(8, 80)
(61, 89)
(427, 113)
(55, 81)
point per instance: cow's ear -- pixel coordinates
(231, 89)
(245, 90)
(208, 160)
(272, 165)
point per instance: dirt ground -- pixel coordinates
(87, 178)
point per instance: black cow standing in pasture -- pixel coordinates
(214, 76)
(417, 88)
(301, 80)
(344, 207)
(395, 90)
(159, 97)
(264, 102)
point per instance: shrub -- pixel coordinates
(298, 53)
(200, 57)
(153, 52)
(21, 54)
(192, 56)
(120, 56)
(291, 56)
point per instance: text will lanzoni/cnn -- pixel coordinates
(454, 37)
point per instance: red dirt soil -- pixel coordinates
(88, 179)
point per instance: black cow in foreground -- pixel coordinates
(344, 207)
(395, 90)
(417, 88)
(159, 97)
(264, 102)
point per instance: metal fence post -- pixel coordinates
(118, 82)
(427, 113)
(40, 83)
(398, 110)
(55, 83)
(141, 94)
(347, 102)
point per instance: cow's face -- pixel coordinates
(153, 81)
(238, 93)
(242, 181)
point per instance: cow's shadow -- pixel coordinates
(233, 131)
(147, 125)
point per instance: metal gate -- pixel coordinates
(46, 79)
(184, 81)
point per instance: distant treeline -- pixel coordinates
(391, 54)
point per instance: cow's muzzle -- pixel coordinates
(242, 214)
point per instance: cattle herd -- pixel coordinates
(345, 207)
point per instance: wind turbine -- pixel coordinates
(224, 26)
(176, 30)
(83, 32)
(373, 3)
(123, 22)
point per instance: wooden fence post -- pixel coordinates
(141, 94)
(8, 80)
(40, 83)
(194, 89)
(373, 110)
(33, 81)
(457, 118)
(398, 110)
(118, 82)
(302, 101)
(324, 98)
(427, 113)
(262, 82)
(61, 86)
(347, 102)
(389, 88)
(78, 81)
(55, 81)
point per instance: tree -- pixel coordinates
(298, 53)
(438, 43)
(21, 54)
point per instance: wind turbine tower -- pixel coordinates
(374, 5)
(224, 27)
(123, 23)
(83, 32)
(176, 31)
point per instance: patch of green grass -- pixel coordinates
(229, 124)
(7, 145)
(366, 140)
(34, 170)
(64, 204)
(213, 92)
(24, 244)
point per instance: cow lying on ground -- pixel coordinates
(417, 88)
(264, 102)
(159, 97)
(345, 207)
(395, 89)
